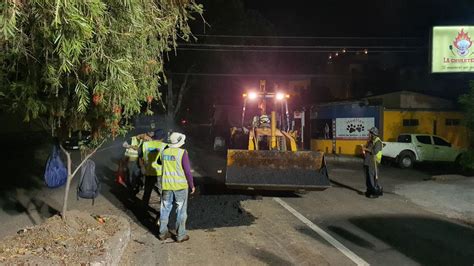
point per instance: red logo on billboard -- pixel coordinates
(462, 43)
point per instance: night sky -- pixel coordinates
(387, 23)
(407, 18)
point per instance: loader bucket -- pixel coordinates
(276, 170)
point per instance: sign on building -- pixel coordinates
(354, 128)
(452, 49)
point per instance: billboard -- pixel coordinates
(354, 128)
(452, 49)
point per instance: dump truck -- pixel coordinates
(264, 154)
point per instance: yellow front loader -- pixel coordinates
(268, 158)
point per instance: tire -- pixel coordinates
(457, 162)
(406, 159)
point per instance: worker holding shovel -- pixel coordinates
(372, 156)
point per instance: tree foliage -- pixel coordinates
(467, 102)
(87, 64)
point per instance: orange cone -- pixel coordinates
(120, 178)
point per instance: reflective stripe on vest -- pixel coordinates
(151, 153)
(132, 153)
(174, 177)
(378, 156)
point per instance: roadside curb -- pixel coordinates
(115, 246)
(343, 159)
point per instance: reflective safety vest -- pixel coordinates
(151, 153)
(132, 153)
(174, 177)
(378, 156)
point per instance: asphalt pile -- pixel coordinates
(215, 211)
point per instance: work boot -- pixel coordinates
(185, 238)
(380, 191)
(165, 236)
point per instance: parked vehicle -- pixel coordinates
(411, 148)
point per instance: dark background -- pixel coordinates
(395, 32)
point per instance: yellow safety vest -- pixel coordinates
(151, 153)
(378, 156)
(174, 177)
(132, 153)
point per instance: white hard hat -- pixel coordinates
(176, 140)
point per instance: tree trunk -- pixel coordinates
(169, 100)
(71, 175)
(182, 91)
(68, 183)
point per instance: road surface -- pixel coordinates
(338, 226)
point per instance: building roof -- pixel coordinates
(409, 100)
(399, 100)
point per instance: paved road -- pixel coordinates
(239, 229)
(388, 230)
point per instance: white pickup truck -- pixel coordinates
(411, 148)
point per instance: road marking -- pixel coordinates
(351, 255)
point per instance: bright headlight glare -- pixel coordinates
(252, 95)
(280, 96)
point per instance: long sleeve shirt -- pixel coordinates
(373, 148)
(187, 170)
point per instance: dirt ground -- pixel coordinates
(75, 240)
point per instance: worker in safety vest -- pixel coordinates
(176, 183)
(131, 160)
(150, 163)
(372, 156)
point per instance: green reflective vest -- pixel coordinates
(378, 156)
(174, 177)
(151, 153)
(132, 153)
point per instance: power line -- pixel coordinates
(293, 51)
(296, 46)
(258, 75)
(306, 37)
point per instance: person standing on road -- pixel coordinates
(326, 131)
(150, 163)
(177, 181)
(372, 156)
(131, 160)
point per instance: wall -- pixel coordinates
(343, 110)
(348, 147)
(393, 125)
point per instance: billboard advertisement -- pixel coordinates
(452, 49)
(354, 128)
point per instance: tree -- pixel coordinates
(175, 94)
(467, 102)
(77, 64)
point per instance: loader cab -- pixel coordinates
(268, 158)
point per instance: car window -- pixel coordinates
(404, 139)
(424, 139)
(441, 142)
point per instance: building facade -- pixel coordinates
(342, 127)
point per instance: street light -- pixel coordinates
(280, 96)
(252, 95)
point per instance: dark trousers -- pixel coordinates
(370, 180)
(150, 182)
(134, 175)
